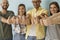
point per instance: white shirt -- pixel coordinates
(32, 30)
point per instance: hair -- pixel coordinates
(20, 6)
(56, 4)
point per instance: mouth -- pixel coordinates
(5, 5)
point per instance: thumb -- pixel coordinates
(12, 18)
(8, 17)
(8, 20)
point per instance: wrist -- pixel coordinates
(7, 22)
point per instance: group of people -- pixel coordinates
(28, 25)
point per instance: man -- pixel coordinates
(5, 16)
(38, 33)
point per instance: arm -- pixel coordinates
(11, 18)
(3, 20)
(41, 22)
(54, 19)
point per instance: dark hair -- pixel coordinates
(57, 5)
(23, 6)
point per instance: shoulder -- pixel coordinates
(10, 11)
(30, 11)
(44, 10)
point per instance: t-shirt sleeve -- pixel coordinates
(11, 14)
(0, 17)
(45, 11)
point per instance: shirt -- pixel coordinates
(5, 29)
(40, 32)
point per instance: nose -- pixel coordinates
(5, 3)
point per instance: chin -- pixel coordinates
(5, 7)
(36, 7)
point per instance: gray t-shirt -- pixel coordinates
(53, 32)
(5, 29)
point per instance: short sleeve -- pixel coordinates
(0, 18)
(28, 12)
(11, 14)
(45, 11)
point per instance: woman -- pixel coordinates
(52, 32)
(22, 20)
(20, 25)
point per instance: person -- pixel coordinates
(20, 29)
(52, 32)
(43, 16)
(33, 13)
(16, 29)
(5, 16)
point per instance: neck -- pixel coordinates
(4, 11)
(37, 8)
(21, 14)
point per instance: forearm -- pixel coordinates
(3, 20)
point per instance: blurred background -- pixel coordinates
(13, 4)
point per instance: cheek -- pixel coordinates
(52, 10)
(38, 3)
(56, 9)
(21, 10)
(34, 4)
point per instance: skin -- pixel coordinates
(36, 3)
(21, 10)
(53, 9)
(5, 5)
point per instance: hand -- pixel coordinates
(41, 22)
(19, 19)
(46, 22)
(3, 20)
(43, 15)
(12, 20)
(28, 21)
(8, 20)
(23, 20)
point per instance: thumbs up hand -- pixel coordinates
(8, 20)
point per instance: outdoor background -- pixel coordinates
(13, 4)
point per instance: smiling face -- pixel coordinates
(36, 3)
(21, 10)
(53, 9)
(5, 4)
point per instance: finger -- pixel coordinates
(12, 18)
(9, 17)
